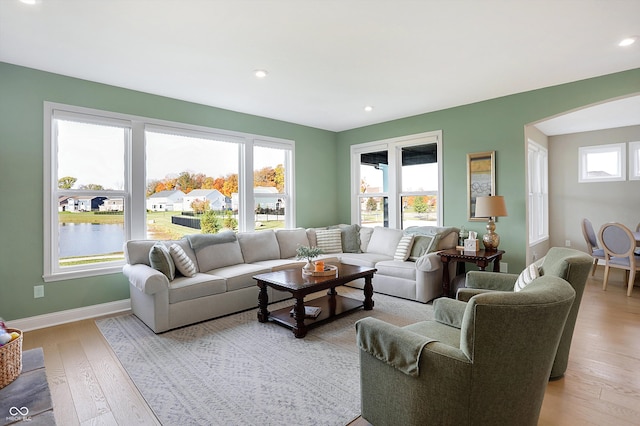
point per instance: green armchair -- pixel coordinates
(482, 362)
(566, 263)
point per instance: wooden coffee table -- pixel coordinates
(299, 285)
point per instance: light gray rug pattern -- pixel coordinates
(238, 371)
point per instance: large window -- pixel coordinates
(397, 183)
(112, 177)
(538, 193)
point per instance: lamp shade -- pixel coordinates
(491, 206)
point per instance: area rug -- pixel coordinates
(27, 400)
(237, 371)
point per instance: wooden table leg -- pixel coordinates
(263, 301)
(445, 276)
(299, 330)
(368, 293)
(496, 264)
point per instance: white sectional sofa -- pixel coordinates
(217, 270)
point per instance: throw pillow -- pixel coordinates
(525, 278)
(183, 263)
(421, 245)
(350, 237)
(160, 259)
(329, 240)
(404, 248)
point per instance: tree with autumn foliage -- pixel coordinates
(227, 185)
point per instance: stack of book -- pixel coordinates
(309, 311)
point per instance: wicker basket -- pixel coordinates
(10, 359)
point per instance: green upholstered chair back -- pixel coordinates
(572, 266)
(511, 339)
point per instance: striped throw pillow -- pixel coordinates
(329, 240)
(404, 248)
(184, 264)
(525, 278)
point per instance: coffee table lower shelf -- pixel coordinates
(341, 305)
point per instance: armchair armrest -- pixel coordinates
(449, 311)
(145, 278)
(490, 280)
(391, 344)
(428, 262)
(464, 294)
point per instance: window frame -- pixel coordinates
(394, 191)
(617, 148)
(134, 191)
(538, 192)
(634, 160)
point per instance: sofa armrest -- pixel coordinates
(449, 311)
(490, 280)
(428, 262)
(391, 344)
(145, 278)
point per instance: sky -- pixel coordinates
(166, 155)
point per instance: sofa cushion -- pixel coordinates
(421, 246)
(526, 277)
(183, 263)
(261, 245)
(365, 237)
(216, 256)
(404, 248)
(384, 241)
(329, 240)
(363, 259)
(137, 251)
(160, 259)
(280, 264)
(396, 268)
(200, 285)
(240, 276)
(311, 236)
(443, 236)
(350, 236)
(289, 240)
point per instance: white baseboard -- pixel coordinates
(71, 315)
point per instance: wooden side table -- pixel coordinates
(482, 258)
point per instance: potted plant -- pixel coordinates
(306, 252)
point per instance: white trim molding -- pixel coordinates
(71, 315)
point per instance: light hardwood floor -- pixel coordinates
(601, 386)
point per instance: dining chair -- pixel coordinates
(619, 245)
(592, 243)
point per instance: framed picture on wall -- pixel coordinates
(481, 176)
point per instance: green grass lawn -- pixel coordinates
(159, 226)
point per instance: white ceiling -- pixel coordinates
(617, 113)
(326, 59)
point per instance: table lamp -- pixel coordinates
(491, 206)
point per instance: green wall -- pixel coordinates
(493, 125)
(22, 93)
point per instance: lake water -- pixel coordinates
(84, 239)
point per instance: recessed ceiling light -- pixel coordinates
(368, 108)
(260, 73)
(30, 2)
(628, 41)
